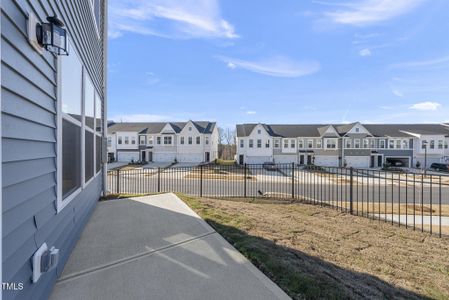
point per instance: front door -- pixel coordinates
(150, 156)
(309, 159)
(373, 159)
(207, 156)
(301, 159)
(241, 159)
(379, 160)
(144, 157)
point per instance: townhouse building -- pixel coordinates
(191, 141)
(352, 145)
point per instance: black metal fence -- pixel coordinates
(413, 200)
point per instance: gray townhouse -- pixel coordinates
(352, 145)
(53, 100)
(191, 141)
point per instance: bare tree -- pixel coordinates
(226, 144)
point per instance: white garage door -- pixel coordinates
(127, 156)
(326, 161)
(191, 157)
(286, 159)
(357, 161)
(164, 157)
(257, 159)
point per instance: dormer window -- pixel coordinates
(357, 129)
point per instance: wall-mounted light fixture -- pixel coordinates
(51, 36)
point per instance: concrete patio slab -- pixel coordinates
(156, 247)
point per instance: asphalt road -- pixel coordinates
(306, 185)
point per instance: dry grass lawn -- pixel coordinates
(319, 253)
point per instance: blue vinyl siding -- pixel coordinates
(29, 158)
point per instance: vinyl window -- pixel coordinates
(181, 140)
(259, 143)
(250, 143)
(242, 143)
(310, 144)
(198, 140)
(79, 128)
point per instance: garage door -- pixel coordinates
(257, 159)
(326, 161)
(127, 156)
(286, 159)
(191, 157)
(358, 161)
(164, 157)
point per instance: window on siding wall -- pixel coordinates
(198, 140)
(292, 143)
(432, 144)
(158, 140)
(348, 143)
(318, 143)
(167, 140)
(251, 143)
(190, 140)
(79, 128)
(181, 140)
(71, 84)
(206, 140)
(259, 143)
(89, 120)
(300, 144)
(309, 143)
(98, 153)
(89, 155)
(120, 141)
(285, 143)
(356, 143)
(71, 157)
(242, 143)
(126, 140)
(267, 144)
(382, 144)
(276, 143)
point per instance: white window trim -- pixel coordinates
(61, 202)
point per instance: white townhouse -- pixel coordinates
(352, 145)
(192, 141)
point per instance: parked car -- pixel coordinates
(396, 163)
(440, 167)
(270, 166)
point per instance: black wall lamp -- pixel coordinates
(51, 36)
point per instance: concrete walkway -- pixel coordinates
(156, 247)
(425, 220)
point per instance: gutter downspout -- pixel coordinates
(105, 96)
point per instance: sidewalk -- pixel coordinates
(156, 247)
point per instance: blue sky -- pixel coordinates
(233, 61)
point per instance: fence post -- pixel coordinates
(244, 182)
(159, 179)
(201, 180)
(293, 180)
(118, 181)
(351, 189)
